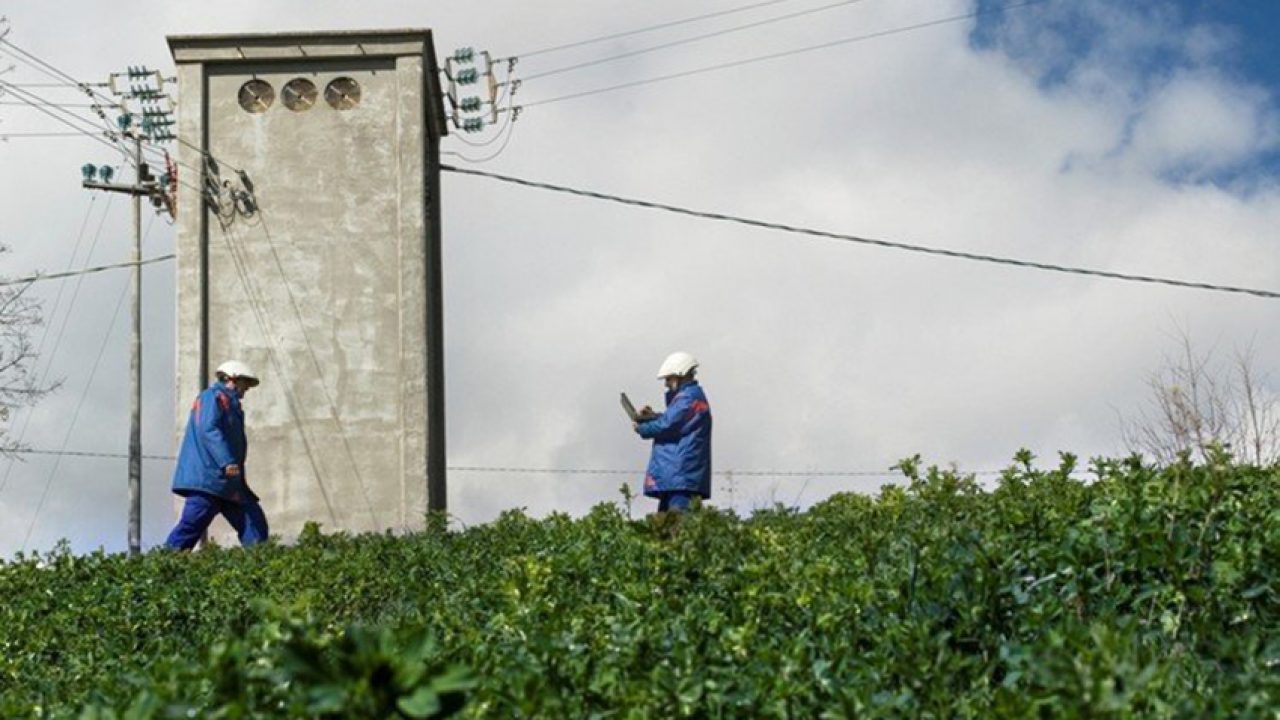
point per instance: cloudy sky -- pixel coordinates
(1135, 136)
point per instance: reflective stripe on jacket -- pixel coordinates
(681, 459)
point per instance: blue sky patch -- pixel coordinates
(1138, 45)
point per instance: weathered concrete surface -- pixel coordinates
(324, 285)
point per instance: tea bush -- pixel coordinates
(1148, 592)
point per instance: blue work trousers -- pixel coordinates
(249, 521)
(674, 502)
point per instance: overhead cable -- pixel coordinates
(63, 86)
(86, 454)
(786, 53)
(506, 131)
(85, 271)
(688, 40)
(812, 232)
(19, 135)
(636, 471)
(40, 104)
(69, 81)
(65, 105)
(66, 317)
(552, 470)
(651, 28)
(266, 325)
(49, 70)
(316, 364)
(84, 395)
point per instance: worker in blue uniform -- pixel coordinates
(680, 464)
(211, 464)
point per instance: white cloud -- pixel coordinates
(1200, 123)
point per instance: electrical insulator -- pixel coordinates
(464, 55)
(468, 77)
(88, 171)
(138, 72)
(470, 104)
(472, 125)
(105, 173)
(125, 121)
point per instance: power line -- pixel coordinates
(65, 105)
(49, 70)
(38, 102)
(787, 53)
(88, 454)
(505, 132)
(57, 304)
(84, 395)
(924, 249)
(16, 135)
(266, 327)
(693, 39)
(64, 79)
(640, 471)
(42, 105)
(650, 28)
(508, 470)
(315, 361)
(86, 271)
(506, 96)
(63, 86)
(69, 81)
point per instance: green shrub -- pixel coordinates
(1148, 592)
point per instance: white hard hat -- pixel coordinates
(237, 369)
(677, 363)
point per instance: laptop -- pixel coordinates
(632, 412)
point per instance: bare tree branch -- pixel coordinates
(19, 316)
(1197, 407)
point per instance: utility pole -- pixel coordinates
(135, 363)
(154, 127)
(144, 185)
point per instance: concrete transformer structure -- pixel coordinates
(310, 249)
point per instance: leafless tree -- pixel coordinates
(19, 387)
(1198, 403)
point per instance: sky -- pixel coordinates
(1139, 137)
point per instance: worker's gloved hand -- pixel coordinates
(647, 413)
(232, 470)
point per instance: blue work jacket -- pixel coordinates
(214, 439)
(681, 459)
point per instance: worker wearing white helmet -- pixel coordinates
(210, 472)
(680, 465)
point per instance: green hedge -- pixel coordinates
(1149, 592)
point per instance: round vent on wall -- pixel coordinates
(299, 94)
(342, 93)
(256, 96)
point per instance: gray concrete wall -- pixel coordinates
(323, 287)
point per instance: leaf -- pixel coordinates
(326, 699)
(423, 703)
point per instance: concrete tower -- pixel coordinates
(310, 249)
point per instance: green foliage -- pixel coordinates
(1150, 592)
(282, 666)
